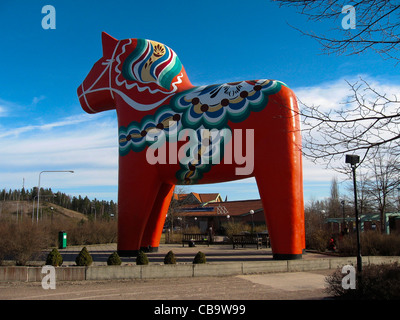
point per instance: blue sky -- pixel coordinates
(42, 126)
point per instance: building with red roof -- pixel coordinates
(207, 211)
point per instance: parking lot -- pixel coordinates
(272, 286)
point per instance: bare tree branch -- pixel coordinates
(367, 120)
(377, 26)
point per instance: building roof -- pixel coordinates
(194, 197)
(231, 208)
(363, 217)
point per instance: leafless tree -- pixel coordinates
(377, 25)
(370, 117)
(383, 181)
(368, 120)
(315, 214)
(175, 206)
(334, 206)
(365, 203)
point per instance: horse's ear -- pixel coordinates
(108, 43)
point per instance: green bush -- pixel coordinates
(377, 282)
(84, 258)
(142, 259)
(114, 259)
(199, 258)
(170, 258)
(54, 258)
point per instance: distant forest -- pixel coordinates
(88, 207)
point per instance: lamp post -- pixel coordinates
(252, 221)
(38, 196)
(343, 223)
(353, 160)
(33, 204)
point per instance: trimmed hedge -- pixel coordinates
(54, 258)
(114, 259)
(199, 258)
(84, 258)
(170, 258)
(142, 259)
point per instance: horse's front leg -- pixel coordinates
(155, 223)
(138, 187)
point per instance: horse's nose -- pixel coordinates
(83, 101)
(79, 91)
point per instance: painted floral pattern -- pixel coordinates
(212, 106)
(204, 107)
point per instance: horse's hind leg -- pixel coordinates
(282, 200)
(278, 172)
(155, 223)
(138, 189)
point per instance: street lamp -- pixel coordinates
(353, 160)
(38, 196)
(252, 221)
(343, 223)
(33, 204)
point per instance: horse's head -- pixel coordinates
(143, 73)
(95, 92)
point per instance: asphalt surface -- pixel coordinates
(273, 286)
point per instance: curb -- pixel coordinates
(154, 271)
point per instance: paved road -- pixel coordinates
(273, 286)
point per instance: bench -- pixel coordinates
(245, 239)
(195, 238)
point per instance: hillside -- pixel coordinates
(48, 210)
(65, 212)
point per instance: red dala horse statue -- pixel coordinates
(171, 132)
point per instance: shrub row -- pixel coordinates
(169, 258)
(373, 243)
(84, 258)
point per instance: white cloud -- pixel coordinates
(328, 96)
(69, 121)
(335, 94)
(318, 172)
(2, 112)
(377, 96)
(4, 107)
(36, 100)
(85, 144)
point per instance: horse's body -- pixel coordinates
(158, 107)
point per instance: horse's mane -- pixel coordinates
(149, 63)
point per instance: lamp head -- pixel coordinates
(352, 159)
